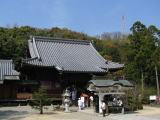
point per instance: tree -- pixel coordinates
(140, 53)
(154, 34)
(109, 49)
(117, 39)
(41, 99)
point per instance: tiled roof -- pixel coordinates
(67, 55)
(7, 69)
(105, 83)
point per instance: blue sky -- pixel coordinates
(92, 17)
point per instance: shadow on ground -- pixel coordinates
(11, 112)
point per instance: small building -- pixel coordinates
(108, 87)
(8, 79)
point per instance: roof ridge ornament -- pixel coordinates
(15, 72)
(58, 68)
(35, 48)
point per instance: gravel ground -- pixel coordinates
(26, 113)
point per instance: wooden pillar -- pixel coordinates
(60, 78)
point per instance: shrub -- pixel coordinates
(40, 99)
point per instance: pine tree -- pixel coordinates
(41, 99)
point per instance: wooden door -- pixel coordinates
(7, 92)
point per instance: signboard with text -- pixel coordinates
(152, 97)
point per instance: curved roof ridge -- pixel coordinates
(35, 49)
(31, 49)
(102, 83)
(61, 40)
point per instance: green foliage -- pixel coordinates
(147, 92)
(114, 39)
(13, 41)
(108, 49)
(136, 105)
(41, 99)
(134, 96)
(140, 52)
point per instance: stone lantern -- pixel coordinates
(66, 96)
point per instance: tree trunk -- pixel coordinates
(142, 82)
(157, 80)
(41, 107)
(41, 112)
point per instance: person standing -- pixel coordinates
(74, 94)
(79, 103)
(91, 101)
(83, 102)
(103, 107)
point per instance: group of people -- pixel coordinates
(113, 102)
(81, 102)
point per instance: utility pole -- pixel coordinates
(123, 24)
(157, 80)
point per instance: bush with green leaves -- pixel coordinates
(146, 93)
(135, 99)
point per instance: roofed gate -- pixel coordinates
(108, 87)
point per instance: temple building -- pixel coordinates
(63, 63)
(56, 64)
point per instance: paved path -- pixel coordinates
(26, 113)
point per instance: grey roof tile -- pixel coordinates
(7, 69)
(67, 55)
